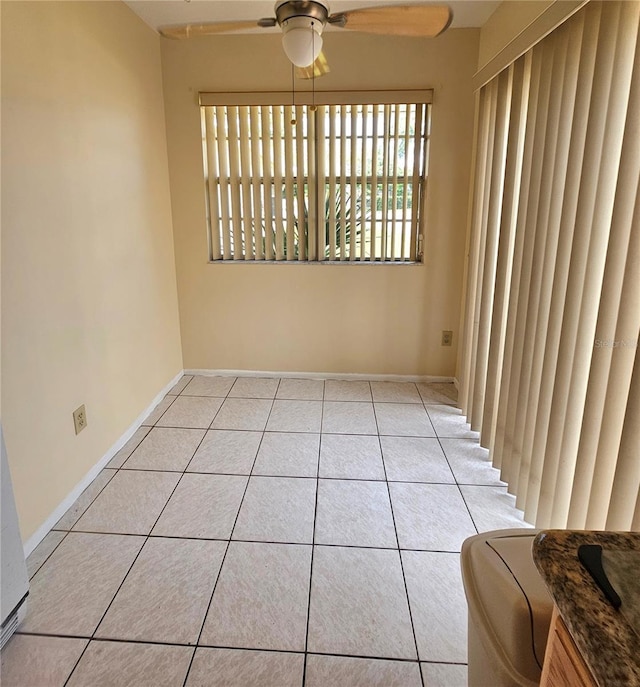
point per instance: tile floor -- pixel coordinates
(268, 532)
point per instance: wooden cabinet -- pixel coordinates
(563, 664)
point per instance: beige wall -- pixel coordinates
(510, 18)
(375, 319)
(89, 306)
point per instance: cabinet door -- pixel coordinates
(563, 664)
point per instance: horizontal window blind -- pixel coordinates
(550, 363)
(333, 181)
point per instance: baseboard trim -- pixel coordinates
(64, 506)
(319, 375)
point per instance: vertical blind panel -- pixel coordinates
(540, 192)
(604, 141)
(618, 322)
(559, 466)
(534, 250)
(483, 105)
(552, 315)
(517, 305)
(585, 25)
(540, 391)
(483, 205)
(494, 208)
(501, 447)
(513, 165)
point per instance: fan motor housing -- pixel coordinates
(311, 9)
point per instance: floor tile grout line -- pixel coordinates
(313, 540)
(270, 542)
(404, 579)
(39, 568)
(466, 505)
(236, 648)
(161, 414)
(224, 557)
(146, 539)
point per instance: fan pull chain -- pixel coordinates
(293, 94)
(313, 107)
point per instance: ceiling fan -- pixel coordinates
(303, 21)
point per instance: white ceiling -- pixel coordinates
(466, 13)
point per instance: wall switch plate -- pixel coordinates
(447, 337)
(79, 419)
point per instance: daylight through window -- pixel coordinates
(342, 182)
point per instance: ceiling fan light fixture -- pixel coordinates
(302, 40)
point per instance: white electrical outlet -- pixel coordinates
(80, 419)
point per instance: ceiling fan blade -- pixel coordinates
(213, 28)
(319, 68)
(397, 20)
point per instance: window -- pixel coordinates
(342, 181)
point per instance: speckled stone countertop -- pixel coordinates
(604, 636)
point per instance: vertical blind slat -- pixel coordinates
(313, 218)
(417, 189)
(375, 253)
(300, 180)
(353, 191)
(317, 230)
(363, 184)
(332, 182)
(494, 207)
(234, 183)
(290, 183)
(491, 105)
(513, 163)
(482, 146)
(343, 182)
(256, 185)
(245, 184)
(405, 184)
(278, 180)
(385, 178)
(225, 173)
(213, 182)
(267, 157)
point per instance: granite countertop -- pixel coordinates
(606, 637)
